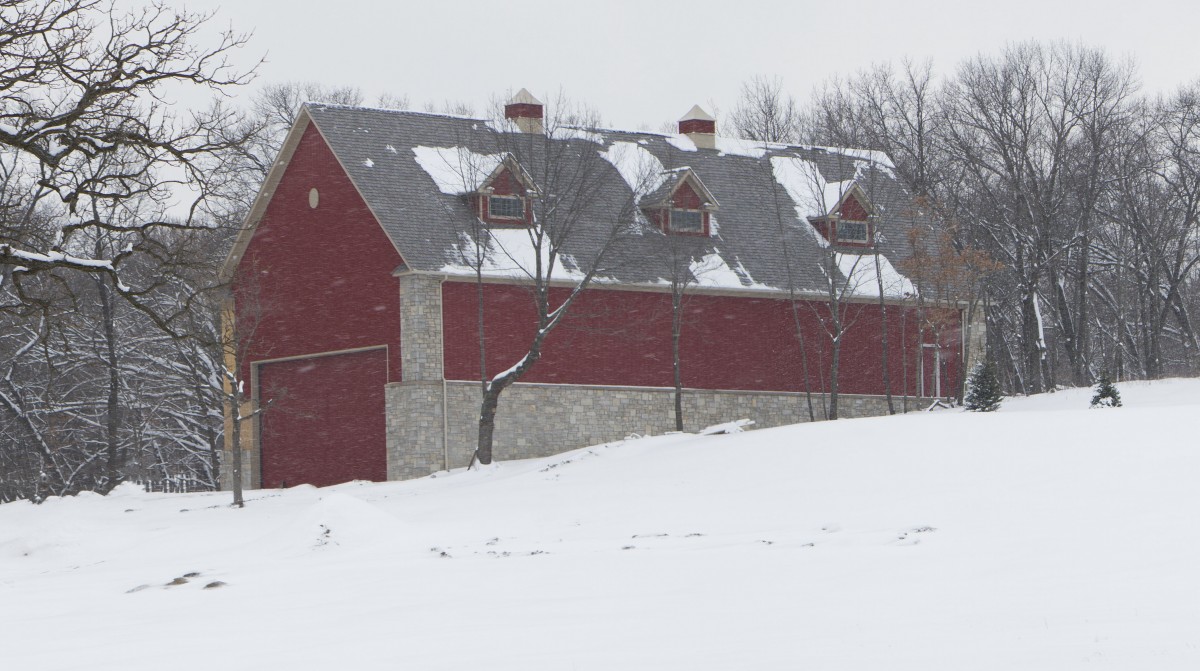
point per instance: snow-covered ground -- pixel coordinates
(1044, 536)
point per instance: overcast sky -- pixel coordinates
(641, 63)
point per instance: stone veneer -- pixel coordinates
(420, 328)
(538, 420)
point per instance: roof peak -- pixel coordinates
(697, 114)
(524, 97)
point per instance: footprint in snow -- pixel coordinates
(909, 537)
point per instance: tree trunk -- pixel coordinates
(835, 316)
(487, 423)
(112, 406)
(883, 338)
(235, 469)
(676, 330)
(1031, 341)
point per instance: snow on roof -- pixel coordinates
(714, 272)
(878, 158)
(681, 142)
(751, 148)
(803, 181)
(767, 193)
(640, 169)
(862, 280)
(456, 170)
(509, 253)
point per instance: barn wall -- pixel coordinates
(623, 338)
(316, 280)
(321, 277)
(607, 373)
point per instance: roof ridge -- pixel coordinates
(854, 152)
(369, 108)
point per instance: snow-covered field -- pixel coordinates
(1044, 536)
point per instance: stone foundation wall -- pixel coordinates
(538, 420)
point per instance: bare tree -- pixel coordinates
(85, 130)
(566, 190)
(765, 113)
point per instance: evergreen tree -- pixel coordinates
(983, 393)
(1106, 395)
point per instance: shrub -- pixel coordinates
(1106, 395)
(983, 389)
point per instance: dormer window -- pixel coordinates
(506, 207)
(853, 232)
(681, 205)
(504, 197)
(686, 221)
(850, 221)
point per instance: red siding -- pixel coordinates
(685, 197)
(326, 420)
(522, 111)
(852, 210)
(624, 338)
(323, 276)
(697, 126)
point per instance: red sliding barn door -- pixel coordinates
(325, 424)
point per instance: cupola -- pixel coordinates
(700, 127)
(526, 112)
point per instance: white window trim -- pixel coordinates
(671, 221)
(492, 214)
(866, 239)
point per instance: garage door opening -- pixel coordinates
(325, 424)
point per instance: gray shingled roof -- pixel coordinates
(758, 233)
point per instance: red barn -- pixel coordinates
(386, 247)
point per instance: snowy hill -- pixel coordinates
(1044, 536)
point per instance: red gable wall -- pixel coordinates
(624, 338)
(324, 276)
(685, 197)
(506, 184)
(852, 210)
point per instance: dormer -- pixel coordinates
(505, 196)
(850, 220)
(682, 205)
(699, 127)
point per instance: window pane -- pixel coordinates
(852, 231)
(689, 221)
(509, 208)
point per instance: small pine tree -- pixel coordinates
(983, 389)
(1106, 395)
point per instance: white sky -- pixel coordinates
(641, 63)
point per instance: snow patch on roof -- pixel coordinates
(813, 196)
(573, 133)
(752, 148)
(731, 146)
(861, 280)
(511, 253)
(878, 159)
(681, 142)
(711, 271)
(456, 170)
(640, 169)
(556, 133)
(369, 163)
